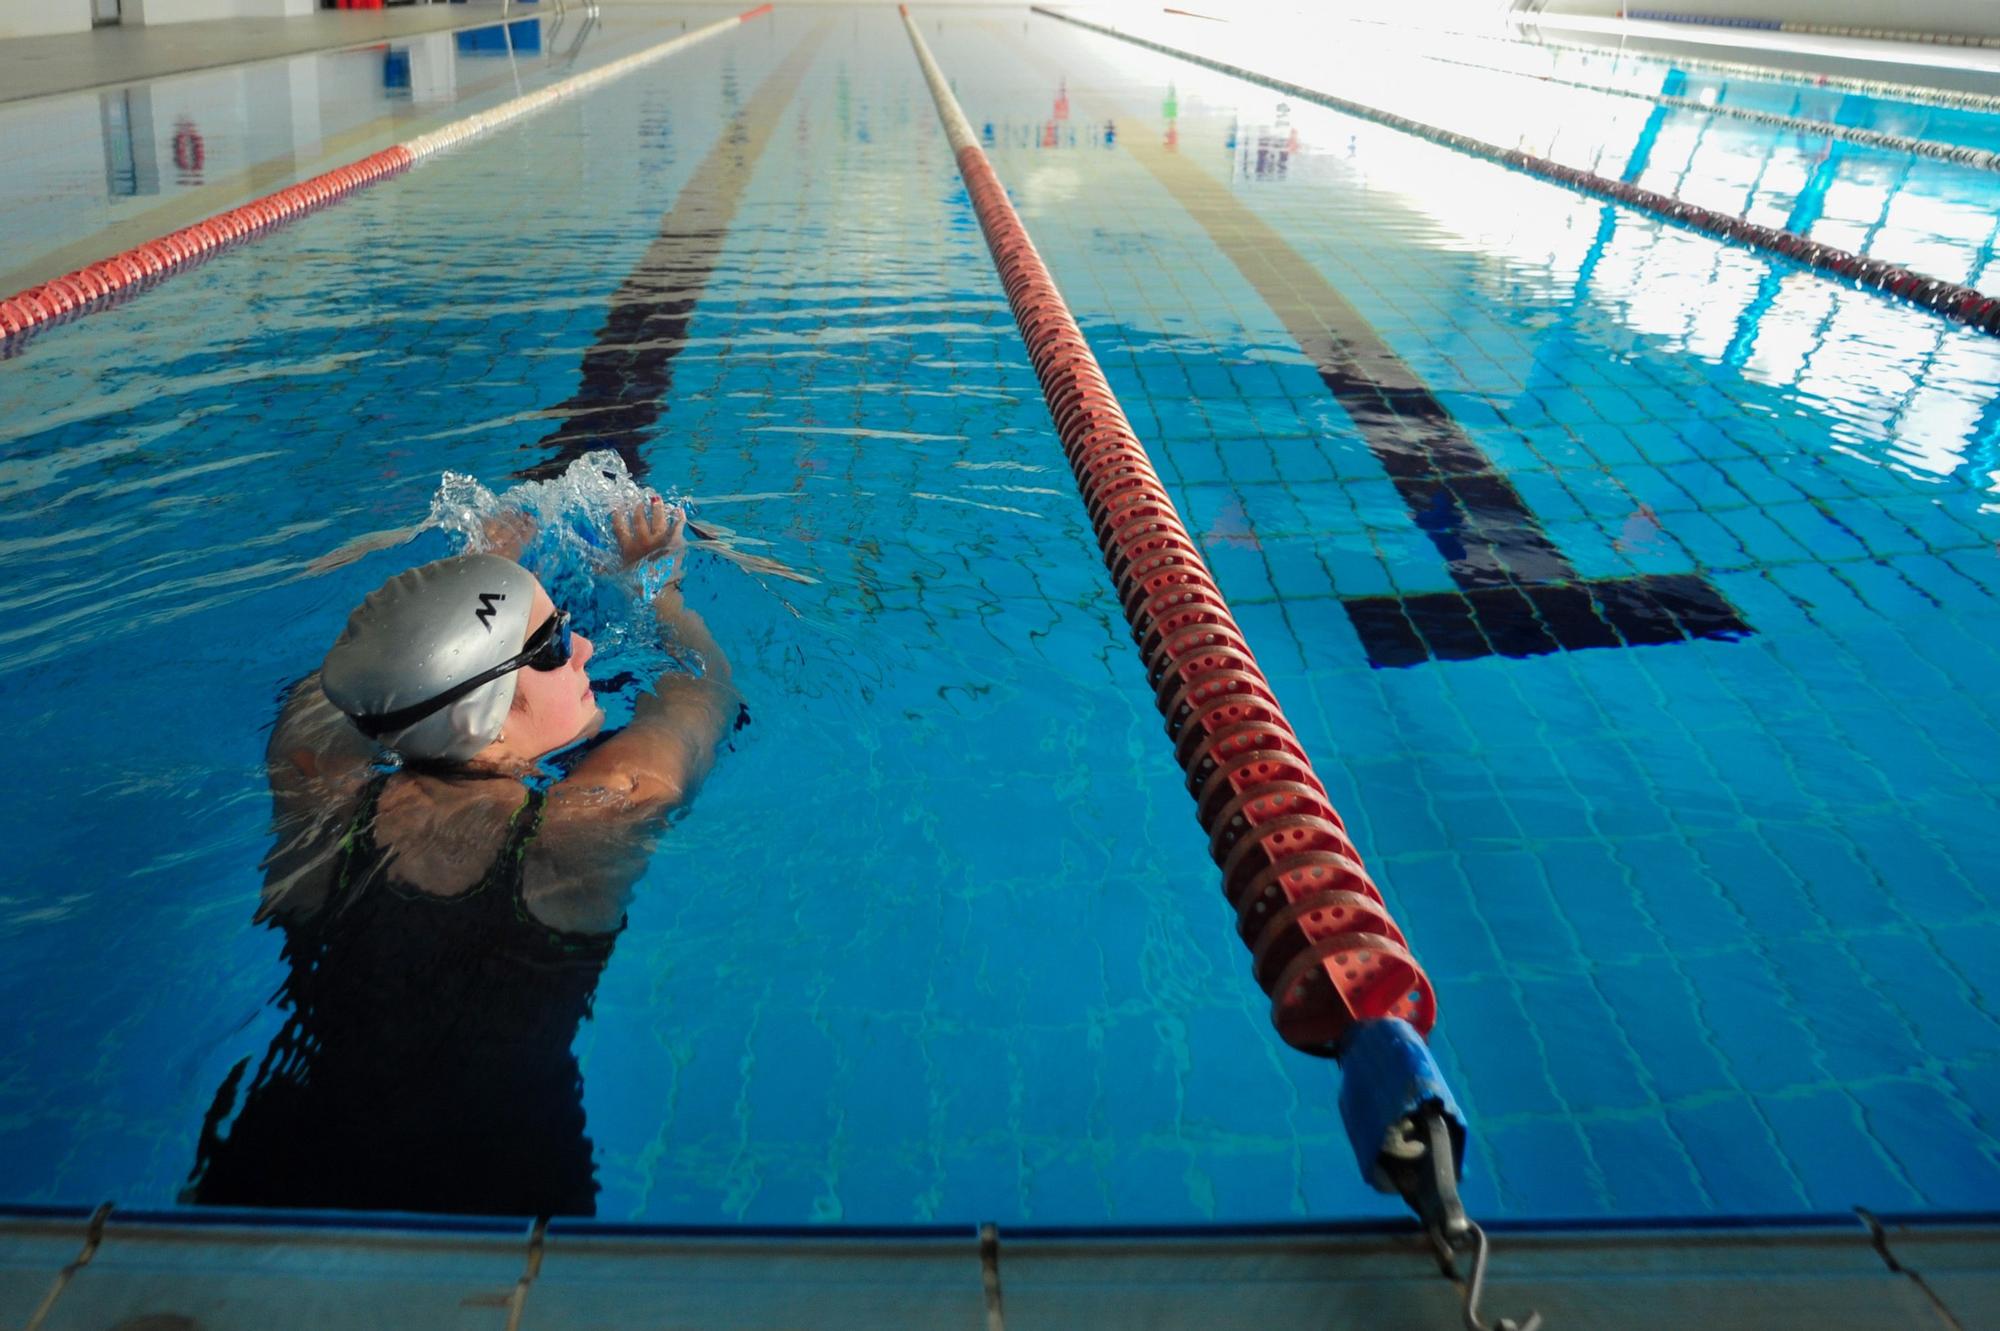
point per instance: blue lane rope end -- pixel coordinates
(1388, 1078)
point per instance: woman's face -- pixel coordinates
(552, 708)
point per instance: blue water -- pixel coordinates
(1712, 924)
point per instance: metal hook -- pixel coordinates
(1424, 1166)
(1475, 1289)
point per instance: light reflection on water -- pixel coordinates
(1912, 390)
(1934, 216)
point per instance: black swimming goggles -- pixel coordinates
(547, 648)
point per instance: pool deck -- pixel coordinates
(250, 1272)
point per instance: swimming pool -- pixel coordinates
(1711, 921)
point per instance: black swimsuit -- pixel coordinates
(426, 1064)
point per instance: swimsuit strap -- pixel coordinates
(360, 835)
(512, 860)
(359, 839)
(534, 802)
(505, 880)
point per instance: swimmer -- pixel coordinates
(445, 921)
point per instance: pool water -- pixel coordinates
(1712, 922)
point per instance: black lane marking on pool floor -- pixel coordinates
(629, 370)
(1516, 593)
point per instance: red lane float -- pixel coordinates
(1953, 300)
(1321, 941)
(122, 275)
(100, 283)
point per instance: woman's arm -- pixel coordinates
(656, 762)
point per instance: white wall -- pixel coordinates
(38, 18)
(189, 11)
(1981, 17)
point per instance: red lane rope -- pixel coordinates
(108, 281)
(129, 271)
(1954, 300)
(1321, 941)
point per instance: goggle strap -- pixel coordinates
(554, 629)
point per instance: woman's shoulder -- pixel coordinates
(440, 835)
(591, 848)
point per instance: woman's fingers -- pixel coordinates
(648, 526)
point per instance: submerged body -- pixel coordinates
(445, 927)
(425, 1064)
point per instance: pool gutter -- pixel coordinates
(237, 1269)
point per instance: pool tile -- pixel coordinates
(1740, 1159)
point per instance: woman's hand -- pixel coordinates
(507, 534)
(651, 528)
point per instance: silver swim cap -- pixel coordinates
(420, 633)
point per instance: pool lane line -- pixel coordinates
(123, 275)
(1515, 593)
(1322, 943)
(1977, 158)
(1953, 300)
(629, 368)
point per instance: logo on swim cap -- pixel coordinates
(485, 612)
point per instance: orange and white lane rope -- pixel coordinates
(1322, 943)
(99, 284)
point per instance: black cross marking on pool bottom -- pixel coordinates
(1515, 594)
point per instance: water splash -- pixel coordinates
(560, 530)
(571, 513)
